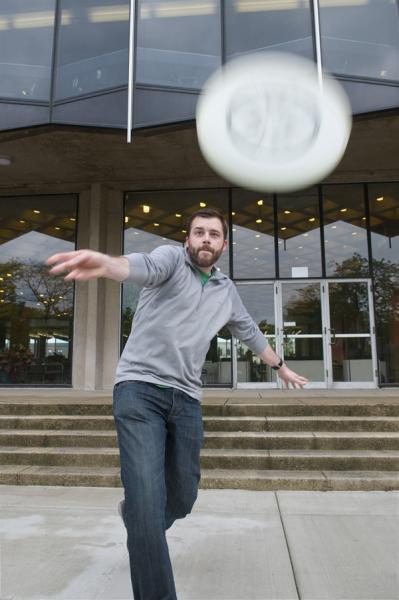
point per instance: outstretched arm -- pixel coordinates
(89, 264)
(286, 375)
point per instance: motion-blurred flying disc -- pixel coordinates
(265, 123)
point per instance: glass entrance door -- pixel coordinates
(249, 371)
(324, 329)
(350, 340)
(301, 329)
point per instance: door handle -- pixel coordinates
(332, 334)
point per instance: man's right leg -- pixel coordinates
(140, 412)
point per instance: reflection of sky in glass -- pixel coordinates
(385, 247)
(253, 254)
(301, 250)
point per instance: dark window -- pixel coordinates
(26, 43)
(93, 42)
(361, 38)
(36, 309)
(178, 42)
(283, 26)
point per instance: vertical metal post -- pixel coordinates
(130, 89)
(316, 18)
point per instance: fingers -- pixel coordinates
(67, 261)
(62, 256)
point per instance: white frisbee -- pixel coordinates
(264, 122)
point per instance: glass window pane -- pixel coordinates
(259, 301)
(156, 218)
(26, 46)
(280, 25)
(93, 42)
(36, 309)
(345, 231)
(299, 234)
(253, 235)
(361, 38)
(351, 358)
(384, 223)
(178, 42)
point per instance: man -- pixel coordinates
(184, 302)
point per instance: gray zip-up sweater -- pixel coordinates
(176, 319)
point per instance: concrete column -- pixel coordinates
(97, 302)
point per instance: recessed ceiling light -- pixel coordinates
(22, 221)
(283, 228)
(72, 219)
(126, 219)
(178, 215)
(183, 231)
(37, 212)
(380, 199)
(257, 235)
(258, 220)
(6, 161)
(354, 232)
(312, 219)
(256, 248)
(146, 208)
(305, 235)
(343, 210)
(363, 218)
(57, 228)
(156, 224)
(260, 203)
(287, 212)
(333, 227)
(202, 204)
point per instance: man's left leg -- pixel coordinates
(182, 456)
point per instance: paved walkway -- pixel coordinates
(69, 543)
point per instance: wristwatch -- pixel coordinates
(280, 364)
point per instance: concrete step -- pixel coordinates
(300, 423)
(345, 440)
(300, 480)
(314, 409)
(387, 460)
(249, 423)
(317, 407)
(215, 478)
(211, 458)
(58, 422)
(222, 439)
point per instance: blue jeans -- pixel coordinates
(160, 436)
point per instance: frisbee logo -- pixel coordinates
(273, 125)
(265, 123)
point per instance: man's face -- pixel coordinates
(205, 242)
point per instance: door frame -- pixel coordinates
(328, 382)
(331, 384)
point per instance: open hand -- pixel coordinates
(290, 377)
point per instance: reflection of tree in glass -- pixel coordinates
(386, 279)
(54, 294)
(304, 309)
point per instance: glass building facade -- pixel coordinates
(317, 269)
(67, 61)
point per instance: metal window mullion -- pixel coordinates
(131, 71)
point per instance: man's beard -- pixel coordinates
(204, 260)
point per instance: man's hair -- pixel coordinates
(207, 213)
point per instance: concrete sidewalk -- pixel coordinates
(69, 543)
